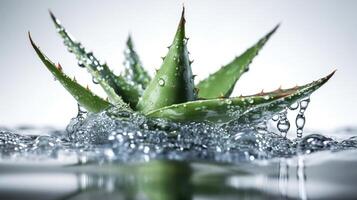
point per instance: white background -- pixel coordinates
(315, 38)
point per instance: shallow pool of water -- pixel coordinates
(321, 175)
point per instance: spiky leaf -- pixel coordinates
(222, 82)
(84, 96)
(238, 108)
(134, 69)
(116, 87)
(173, 82)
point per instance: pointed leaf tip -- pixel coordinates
(331, 74)
(85, 98)
(116, 87)
(173, 82)
(129, 41)
(224, 80)
(54, 19)
(134, 70)
(51, 14)
(180, 33)
(30, 38)
(252, 108)
(182, 20)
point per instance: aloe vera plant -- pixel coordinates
(172, 93)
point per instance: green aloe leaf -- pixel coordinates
(266, 111)
(134, 69)
(222, 82)
(84, 96)
(116, 87)
(173, 82)
(238, 108)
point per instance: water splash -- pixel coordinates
(115, 136)
(119, 136)
(300, 118)
(283, 124)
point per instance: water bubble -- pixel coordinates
(275, 117)
(90, 55)
(315, 142)
(283, 126)
(117, 136)
(161, 82)
(109, 153)
(94, 80)
(294, 106)
(228, 101)
(146, 149)
(303, 104)
(81, 112)
(100, 67)
(300, 118)
(300, 123)
(81, 64)
(59, 29)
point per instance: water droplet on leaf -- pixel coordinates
(161, 82)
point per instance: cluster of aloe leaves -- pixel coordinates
(172, 93)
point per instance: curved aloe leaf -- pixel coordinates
(84, 96)
(222, 82)
(134, 68)
(173, 82)
(228, 109)
(266, 111)
(113, 85)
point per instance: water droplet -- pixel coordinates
(275, 117)
(81, 64)
(146, 149)
(109, 153)
(315, 142)
(228, 101)
(283, 126)
(161, 82)
(81, 112)
(300, 123)
(294, 106)
(94, 80)
(300, 118)
(303, 104)
(99, 68)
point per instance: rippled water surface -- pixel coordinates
(114, 155)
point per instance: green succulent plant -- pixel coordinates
(172, 93)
